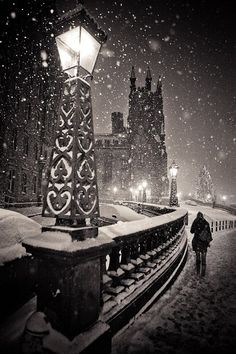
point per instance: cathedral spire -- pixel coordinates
(132, 80)
(148, 79)
(159, 85)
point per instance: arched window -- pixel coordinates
(34, 184)
(24, 183)
(26, 145)
(38, 121)
(14, 139)
(28, 111)
(36, 150)
(11, 181)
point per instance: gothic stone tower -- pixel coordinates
(147, 137)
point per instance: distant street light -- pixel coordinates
(72, 194)
(173, 189)
(140, 188)
(224, 198)
(115, 189)
(208, 197)
(131, 193)
(144, 184)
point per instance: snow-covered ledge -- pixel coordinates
(132, 227)
(62, 241)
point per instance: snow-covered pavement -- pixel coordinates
(197, 314)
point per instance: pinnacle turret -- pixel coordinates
(132, 80)
(159, 85)
(148, 79)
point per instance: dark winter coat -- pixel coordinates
(197, 227)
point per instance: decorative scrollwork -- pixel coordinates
(72, 185)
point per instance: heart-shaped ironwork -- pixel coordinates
(63, 142)
(58, 203)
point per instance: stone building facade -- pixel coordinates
(136, 153)
(30, 90)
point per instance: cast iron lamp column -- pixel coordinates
(71, 195)
(173, 188)
(69, 293)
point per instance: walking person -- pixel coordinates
(201, 241)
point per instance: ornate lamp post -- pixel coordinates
(173, 188)
(72, 194)
(69, 272)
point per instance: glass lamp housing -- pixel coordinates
(144, 184)
(77, 48)
(173, 170)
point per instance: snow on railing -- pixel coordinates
(146, 252)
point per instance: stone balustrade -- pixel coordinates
(143, 262)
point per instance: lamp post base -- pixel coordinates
(69, 280)
(76, 233)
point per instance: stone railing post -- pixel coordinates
(69, 294)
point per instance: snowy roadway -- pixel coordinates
(197, 314)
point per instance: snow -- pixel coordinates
(193, 312)
(119, 212)
(14, 228)
(51, 239)
(197, 314)
(211, 214)
(62, 241)
(10, 253)
(125, 228)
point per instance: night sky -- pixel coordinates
(192, 45)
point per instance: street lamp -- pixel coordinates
(115, 189)
(131, 193)
(144, 184)
(72, 194)
(69, 276)
(224, 198)
(140, 188)
(208, 197)
(173, 189)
